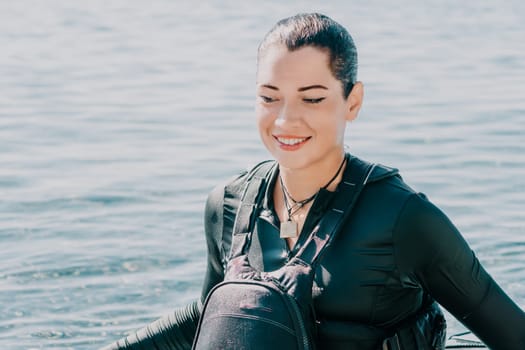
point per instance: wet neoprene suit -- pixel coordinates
(394, 246)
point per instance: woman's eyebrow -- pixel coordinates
(301, 89)
(304, 88)
(270, 87)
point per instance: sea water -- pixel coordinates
(118, 117)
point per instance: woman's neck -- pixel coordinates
(304, 182)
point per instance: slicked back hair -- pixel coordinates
(320, 31)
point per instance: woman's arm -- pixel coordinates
(177, 330)
(434, 254)
(172, 332)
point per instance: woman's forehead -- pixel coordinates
(278, 53)
(307, 64)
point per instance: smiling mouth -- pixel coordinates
(291, 141)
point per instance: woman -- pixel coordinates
(396, 253)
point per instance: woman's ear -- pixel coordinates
(354, 101)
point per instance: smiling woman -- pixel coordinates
(310, 108)
(390, 256)
(301, 114)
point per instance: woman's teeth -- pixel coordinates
(291, 141)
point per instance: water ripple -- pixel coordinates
(116, 120)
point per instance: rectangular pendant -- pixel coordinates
(288, 229)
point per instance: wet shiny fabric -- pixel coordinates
(256, 310)
(395, 247)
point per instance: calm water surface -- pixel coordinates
(118, 117)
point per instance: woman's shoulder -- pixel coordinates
(386, 194)
(233, 188)
(384, 178)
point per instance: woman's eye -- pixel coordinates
(313, 100)
(267, 99)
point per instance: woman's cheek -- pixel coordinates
(263, 122)
(264, 116)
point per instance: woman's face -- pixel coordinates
(301, 111)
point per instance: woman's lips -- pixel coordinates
(291, 143)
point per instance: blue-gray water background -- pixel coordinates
(117, 118)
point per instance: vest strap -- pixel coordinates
(253, 193)
(343, 203)
(354, 179)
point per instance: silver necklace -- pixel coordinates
(289, 227)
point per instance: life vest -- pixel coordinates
(255, 310)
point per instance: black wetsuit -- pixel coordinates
(395, 247)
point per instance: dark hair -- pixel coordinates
(314, 29)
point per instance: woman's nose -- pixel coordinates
(288, 113)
